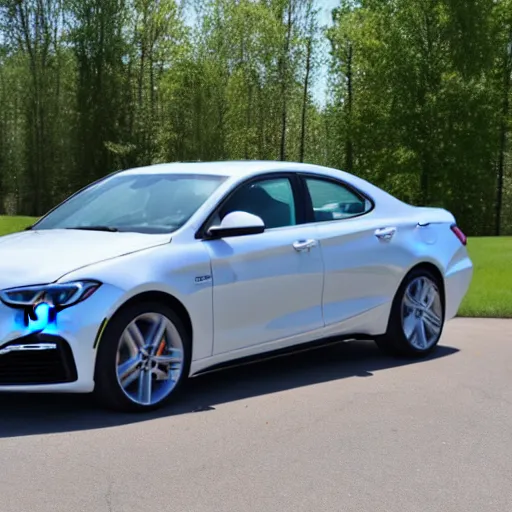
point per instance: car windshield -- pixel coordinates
(144, 203)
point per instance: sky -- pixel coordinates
(327, 6)
(320, 90)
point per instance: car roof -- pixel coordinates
(238, 168)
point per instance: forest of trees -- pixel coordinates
(418, 94)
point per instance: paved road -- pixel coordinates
(339, 429)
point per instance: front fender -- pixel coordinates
(180, 270)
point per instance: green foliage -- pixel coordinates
(424, 117)
(419, 94)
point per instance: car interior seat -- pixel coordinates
(257, 201)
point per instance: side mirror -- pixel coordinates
(237, 224)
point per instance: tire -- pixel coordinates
(120, 358)
(403, 337)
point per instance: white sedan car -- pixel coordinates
(153, 275)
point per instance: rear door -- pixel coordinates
(357, 249)
(266, 287)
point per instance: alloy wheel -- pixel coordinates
(150, 358)
(422, 313)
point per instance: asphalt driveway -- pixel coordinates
(338, 429)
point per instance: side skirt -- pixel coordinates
(283, 352)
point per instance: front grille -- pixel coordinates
(33, 367)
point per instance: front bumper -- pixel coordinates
(62, 357)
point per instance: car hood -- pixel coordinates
(39, 257)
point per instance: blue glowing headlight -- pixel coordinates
(41, 316)
(58, 295)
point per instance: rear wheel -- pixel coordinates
(417, 316)
(143, 358)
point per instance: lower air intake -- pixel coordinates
(21, 366)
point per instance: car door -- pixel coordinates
(266, 286)
(359, 271)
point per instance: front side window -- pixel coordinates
(270, 199)
(145, 203)
(333, 201)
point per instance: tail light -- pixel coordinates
(459, 234)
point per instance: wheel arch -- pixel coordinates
(164, 298)
(434, 269)
(387, 341)
(107, 387)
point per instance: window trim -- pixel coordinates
(303, 176)
(301, 212)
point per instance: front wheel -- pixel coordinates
(417, 316)
(143, 358)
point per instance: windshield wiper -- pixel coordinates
(111, 229)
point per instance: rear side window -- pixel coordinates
(334, 201)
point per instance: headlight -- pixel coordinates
(58, 295)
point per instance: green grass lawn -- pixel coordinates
(490, 294)
(14, 224)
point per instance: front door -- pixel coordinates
(266, 287)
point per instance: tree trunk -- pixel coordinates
(248, 120)
(349, 148)
(284, 82)
(305, 100)
(507, 72)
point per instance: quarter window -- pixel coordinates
(271, 199)
(333, 201)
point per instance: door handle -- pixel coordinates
(304, 245)
(385, 234)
